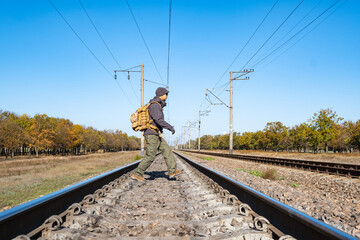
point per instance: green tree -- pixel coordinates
(355, 136)
(324, 122)
(299, 136)
(205, 141)
(277, 134)
(91, 139)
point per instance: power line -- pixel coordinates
(142, 36)
(225, 85)
(263, 20)
(102, 39)
(168, 64)
(303, 36)
(168, 59)
(297, 33)
(302, 19)
(92, 53)
(273, 33)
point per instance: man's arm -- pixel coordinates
(158, 117)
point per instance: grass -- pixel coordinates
(137, 157)
(270, 174)
(32, 178)
(208, 158)
(201, 157)
(294, 184)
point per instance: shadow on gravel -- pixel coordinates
(159, 174)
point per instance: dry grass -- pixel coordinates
(26, 179)
(269, 174)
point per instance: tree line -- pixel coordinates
(325, 131)
(41, 134)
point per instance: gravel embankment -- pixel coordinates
(331, 199)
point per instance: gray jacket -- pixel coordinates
(156, 114)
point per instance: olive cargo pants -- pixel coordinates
(154, 143)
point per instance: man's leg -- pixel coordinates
(152, 144)
(166, 151)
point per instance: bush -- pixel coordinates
(269, 174)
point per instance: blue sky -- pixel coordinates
(44, 68)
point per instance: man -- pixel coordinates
(154, 141)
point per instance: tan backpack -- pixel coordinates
(141, 121)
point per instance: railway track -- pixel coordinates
(198, 204)
(342, 169)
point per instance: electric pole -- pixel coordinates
(201, 113)
(142, 104)
(189, 135)
(183, 137)
(142, 94)
(238, 77)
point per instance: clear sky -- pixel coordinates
(45, 68)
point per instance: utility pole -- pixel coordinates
(189, 135)
(142, 104)
(183, 141)
(201, 113)
(238, 77)
(142, 93)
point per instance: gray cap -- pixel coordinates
(161, 91)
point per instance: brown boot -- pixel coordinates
(177, 172)
(137, 177)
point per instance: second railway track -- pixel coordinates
(342, 169)
(198, 204)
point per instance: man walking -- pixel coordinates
(153, 138)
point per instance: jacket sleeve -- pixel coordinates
(158, 116)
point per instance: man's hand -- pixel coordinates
(173, 131)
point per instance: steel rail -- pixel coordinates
(24, 218)
(288, 220)
(343, 169)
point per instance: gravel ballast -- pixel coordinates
(331, 199)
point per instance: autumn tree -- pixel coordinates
(91, 139)
(324, 124)
(299, 136)
(42, 133)
(355, 136)
(10, 135)
(64, 135)
(134, 143)
(205, 141)
(277, 134)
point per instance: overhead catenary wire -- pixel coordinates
(86, 46)
(169, 38)
(144, 41)
(97, 31)
(103, 40)
(237, 56)
(248, 41)
(168, 58)
(262, 67)
(285, 35)
(277, 29)
(331, 6)
(263, 43)
(297, 33)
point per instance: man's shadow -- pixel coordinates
(159, 174)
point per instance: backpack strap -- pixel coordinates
(152, 127)
(157, 103)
